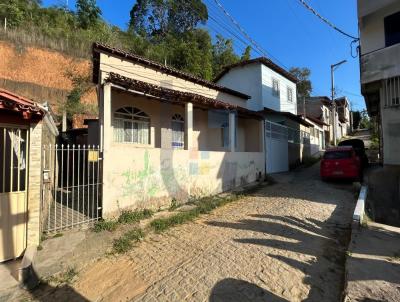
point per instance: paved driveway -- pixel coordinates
(285, 242)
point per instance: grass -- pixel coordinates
(174, 205)
(125, 242)
(204, 206)
(105, 225)
(128, 216)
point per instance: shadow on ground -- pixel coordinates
(234, 290)
(326, 241)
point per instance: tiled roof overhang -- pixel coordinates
(176, 96)
(27, 108)
(99, 47)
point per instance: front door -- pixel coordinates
(13, 187)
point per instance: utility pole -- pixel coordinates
(333, 67)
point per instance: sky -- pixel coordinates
(290, 34)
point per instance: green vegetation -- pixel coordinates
(174, 205)
(105, 225)
(204, 206)
(166, 31)
(125, 243)
(128, 216)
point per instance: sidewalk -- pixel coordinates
(373, 264)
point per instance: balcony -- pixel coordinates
(380, 64)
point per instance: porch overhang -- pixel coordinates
(175, 96)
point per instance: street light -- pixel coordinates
(333, 67)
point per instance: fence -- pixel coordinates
(71, 194)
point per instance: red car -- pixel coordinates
(341, 163)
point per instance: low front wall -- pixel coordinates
(150, 177)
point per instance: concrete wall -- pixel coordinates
(246, 79)
(151, 178)
(152, 76)
(273, 102)
(372, 31)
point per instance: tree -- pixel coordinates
(17, 11)
(246, 54)
(88, 13)
(161, 17)
(304, 86)
(356, 119)
(223, 54)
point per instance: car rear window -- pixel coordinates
(337, 155)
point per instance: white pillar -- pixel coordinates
(106, 118)
(189, 126)
(232, 131)
(105, 143)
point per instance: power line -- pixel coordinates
(244, 33)
(323, 19)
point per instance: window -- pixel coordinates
(275, 87)
(392, 29)
(178, 131)
(131, 125)
(391, 92)
(225, 135)
(290, 95)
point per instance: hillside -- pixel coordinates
(42, 74)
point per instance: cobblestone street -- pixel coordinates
(285, 242)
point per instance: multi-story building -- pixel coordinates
(380, 70)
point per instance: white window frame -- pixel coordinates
(290, 94)
(178, 132)
(139, 122)
(276, 87)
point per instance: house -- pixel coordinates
(273, 93)
(317, 135)
(319, 108)
(380, 70)
(24, 127)
(379, 29)
(169, 135)
(343, 117)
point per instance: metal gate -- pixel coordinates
(72, 186)
(14, 147)
(276, 140)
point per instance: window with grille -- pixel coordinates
(178, 131)
(391, 92)
(275, 88)
(290, 95)
(131, 125)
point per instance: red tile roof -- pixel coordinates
(176, 96)
(16, 103)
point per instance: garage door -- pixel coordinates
(276, 141)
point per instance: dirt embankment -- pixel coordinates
(41, 74)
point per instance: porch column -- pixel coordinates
(189, 126)
(106, 138)
(232, 131)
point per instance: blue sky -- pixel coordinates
(290, 34)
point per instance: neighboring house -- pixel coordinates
(343, 117)
(269, 85)
(169, 135)
(25, 127)
(380, 70)
(319, 108)
(379, 29)
(317, 135)
(274, 94)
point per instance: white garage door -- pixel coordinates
(276, 140)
